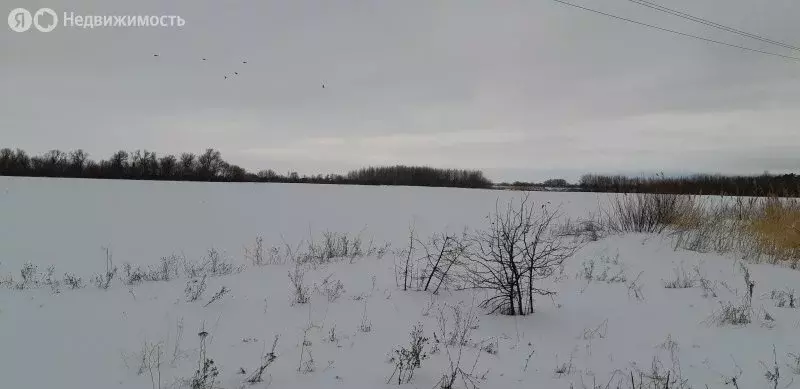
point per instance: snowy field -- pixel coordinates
(611, 322)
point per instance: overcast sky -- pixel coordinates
(523, 89)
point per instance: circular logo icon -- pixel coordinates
(20, 20)
(49, 23)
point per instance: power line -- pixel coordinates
(706, 22)
(677, 32)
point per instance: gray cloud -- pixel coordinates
(522, 89)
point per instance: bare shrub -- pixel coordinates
(649, 213)
(564, 368)
(606, 269)
(194, 289)
(365, 325)
(256, 253)
(151, 355)
(217, 296)
(682, 280)
(456, 328)
(212, 265)
(49, 279)
(176, 349)
(216, 265)
(332, 290)
(590, 229)
(772, 373)
(266, 360)
(590, 334)
(794, 363)
(205, 376)
(732, 314)
(406, 269)
(73, 281)
(709, 287)
(635, 288)
(167, 268)
(336, 246)
(784, 298)
(29, 275)
(307, 363)
(441, 252)
(103, 281)
(133, 276)
(300, 294)
(408, 359)
(516, 251)
(456, 371)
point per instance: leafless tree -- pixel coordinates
(519, 248)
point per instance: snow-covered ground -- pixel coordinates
(592, 333)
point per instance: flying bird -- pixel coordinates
(323, 86)
(204, 59)
(244, 61)
(155, 55)
(236, 73)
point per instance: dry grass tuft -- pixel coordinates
(776, 229)
(765, 228)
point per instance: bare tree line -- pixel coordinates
(210, 166)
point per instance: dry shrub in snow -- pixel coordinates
(300, 294)
(776, 228)
(217, 296)
(205, 376)
(212, 265)
(426, 265)
(682, 280)
(166, 270)
(335, 246)
(794, 363)
(738, 313)
(784, 298)
(266, 360)
(331, 289)
(513, 254)
(591, 229)
(651, 213)
(441, 253)
(29, 275)
(103, 280)
(606, 269)
(194, 289)
(365, 325)
(756, 228)
(73, 281)
(408, 359)
(731, 313)
(456, 328)
(256, 253)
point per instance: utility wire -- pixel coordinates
(677, 32)
(706, 22)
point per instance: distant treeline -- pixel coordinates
(209, 166)
(786, 185)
